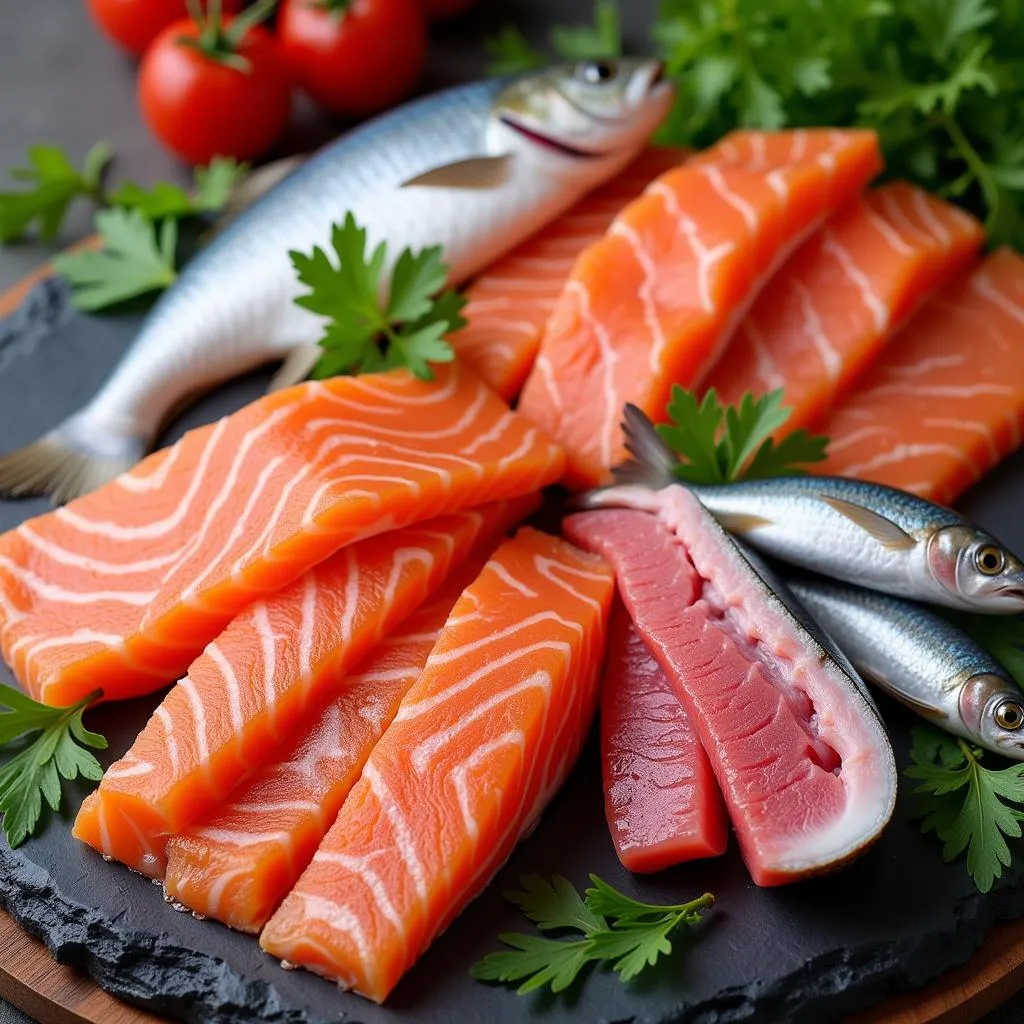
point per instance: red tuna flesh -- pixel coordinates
(801, 757)
(660, 795)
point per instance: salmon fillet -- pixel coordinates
(509, 303)
(829, 311)
(945, 402)
(239, 862)
(654, 302)
(661, 799)
(127, 585)
(276, 664)
(480, 744)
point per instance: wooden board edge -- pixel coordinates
(50, 992)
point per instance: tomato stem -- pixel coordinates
(336, 8)
(220, 42)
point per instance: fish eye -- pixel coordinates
(990, 560)
(1009, 715)
(595, 72)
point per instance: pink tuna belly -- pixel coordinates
(782, 783)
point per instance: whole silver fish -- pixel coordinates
(922, 660)
(852, 530)
(475, 169)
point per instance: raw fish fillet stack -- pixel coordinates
(661, 798)
(125, 587)
(654, 302)
(276, 663)
(945, 401)
(479, 746)
(829, 311)
(775, 717)
(510, 302)
(240, 861)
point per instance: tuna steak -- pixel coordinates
(797, 747)
(661, 797)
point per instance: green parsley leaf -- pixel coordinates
(602, 39)
(363, 335)
(615, 929)
(719, 444)
(966, 804)
(511, 53)
(214, 185)
(135, 258)
(33, 774)
(56, 183)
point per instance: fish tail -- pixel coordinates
(652, 462)
(63, 465)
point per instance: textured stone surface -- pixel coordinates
(805, 953)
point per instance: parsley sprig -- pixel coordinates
(718, 444)
(365, 333)
(34, 772)
(53, 184)
(968, 806)
(613, 929)
(512, 53)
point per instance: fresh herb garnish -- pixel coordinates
(512, 53)
(135, 257)
(967, 805)
(54, 183)
(34, 773)
(717, 443)
(214, 185)
(365, 334)
(613, 928)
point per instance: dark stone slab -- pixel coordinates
(805, 953)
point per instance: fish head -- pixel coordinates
(976, 570)
(992, 709)
(593, 111)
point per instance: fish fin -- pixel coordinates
(652, 463)
(919, 707)
(297, 366)
(741, 522)
(885, 531)
(255, 185)
(479, 172)
(63, 468)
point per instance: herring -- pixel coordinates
(852, 530)
(922, 660)
(475, 169)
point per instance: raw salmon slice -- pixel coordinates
(944, 403)
(239, 863)
(799, 752)
(276, 664)
(829, 311)
(511, 301)
(127, 585)
(661, 798)
(654, 302)
(480, 744)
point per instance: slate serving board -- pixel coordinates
(810, 952)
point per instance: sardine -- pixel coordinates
(475, 169)
(852, 530)
(922, 660)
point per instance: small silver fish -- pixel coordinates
(475, 169)
(923, 661)
(852, 530)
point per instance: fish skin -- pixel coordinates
(921, 659)
(232, 308)
(853, 530)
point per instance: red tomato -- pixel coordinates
(200, 107)
(436, 9)
(134, 24)
(355, 59)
